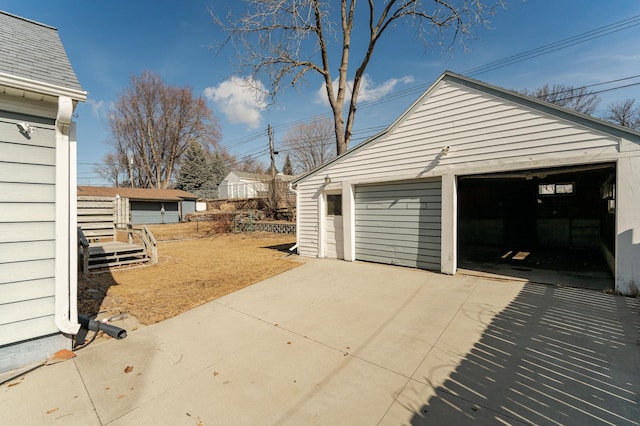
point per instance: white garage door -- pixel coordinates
(399, 223)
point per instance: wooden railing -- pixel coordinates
(115, 253)
(150, 244)
(84, 245)
(148, 240)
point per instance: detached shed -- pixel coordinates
(39, 92)
(471, 167)
(148, 206)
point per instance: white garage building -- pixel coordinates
(474, 165)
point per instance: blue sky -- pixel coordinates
(107, 41)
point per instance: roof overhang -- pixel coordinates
(597, 124)
(40, 88)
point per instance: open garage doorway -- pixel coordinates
(553, 225)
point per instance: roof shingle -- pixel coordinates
(34, 51)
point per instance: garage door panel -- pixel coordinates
(428, 209)
(394, 198)
(399, 223)
(403, 233)
(413, 241)
(407, 249)
(403, 187)
(399, 252)
(422, 262)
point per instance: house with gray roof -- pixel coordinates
(39, 92)
(147, 206)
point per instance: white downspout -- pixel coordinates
(66, 289)
(295, 191)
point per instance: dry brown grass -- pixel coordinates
(189, 273)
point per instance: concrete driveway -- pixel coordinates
(336, 343)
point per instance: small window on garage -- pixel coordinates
(556, 188)
(334, 204)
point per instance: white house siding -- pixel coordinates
(27, 231)
(627, 273)
(485, 133)
(239, 187)
(308, 218)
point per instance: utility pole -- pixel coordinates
(271, 152)
(131, 168)
(273, 190)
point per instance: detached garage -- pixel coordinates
(144, 206)
(473, 171)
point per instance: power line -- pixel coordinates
(558, 45)
(491, 66)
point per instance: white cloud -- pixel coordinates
(241, 100)
(97, 107)
(368, 90)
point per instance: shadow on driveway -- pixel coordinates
(554, 355)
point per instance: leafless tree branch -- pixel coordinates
(285, 40)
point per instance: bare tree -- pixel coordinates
(623, 113)
(286, 39)
(249, 164)
(152, 125)
(113, 169)
(576, 98)
(310, 145)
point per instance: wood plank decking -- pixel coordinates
(115, 253)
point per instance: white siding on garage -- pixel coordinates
(485, 132)
(27, 229)
(399, 223)
(308, 220)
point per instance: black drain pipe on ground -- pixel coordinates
(108, 329)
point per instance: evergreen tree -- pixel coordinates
(287, 168)
(195, 169)
(219, 169)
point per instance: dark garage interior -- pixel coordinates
(556, 219)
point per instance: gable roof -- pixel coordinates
(136, 193)
(34, 51)
(448, 76)
(259, 176)
(250, 176)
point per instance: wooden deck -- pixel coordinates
(97, 245)
(114, 253)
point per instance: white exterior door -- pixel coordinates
(334, 239)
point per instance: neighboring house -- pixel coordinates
(470, 164)
(241, 185)
(148, 206)
(39, 92)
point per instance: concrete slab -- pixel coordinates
(552, 355)
(355, 343)
(281, 298)
(162, 356)
(49, 395)
(420, 404)
(274, 384)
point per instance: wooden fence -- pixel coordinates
(96, 218)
